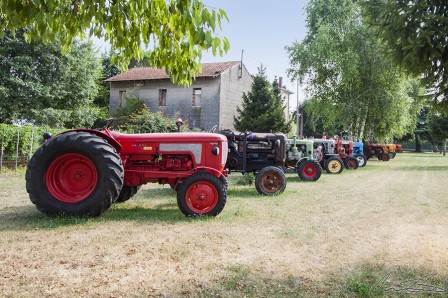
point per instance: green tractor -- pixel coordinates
(300, 159)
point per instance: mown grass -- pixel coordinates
(379, 231)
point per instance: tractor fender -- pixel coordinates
(102, 134)
(300, 160)
(212, 171)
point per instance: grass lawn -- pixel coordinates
(379, 231)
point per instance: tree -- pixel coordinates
(438, 128)
(177, 31)
(262, 109)
(40, 84)
(416, 35)
(350, 83)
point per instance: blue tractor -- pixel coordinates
(358, 148)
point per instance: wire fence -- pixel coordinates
(18, 144)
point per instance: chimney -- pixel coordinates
(280, 82)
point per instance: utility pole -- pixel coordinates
(297, 113)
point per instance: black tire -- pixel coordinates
(76, 173)
(362, 160)
(201, 194)
(125, 194)
(385, 157)
(270, 181)
(334, 165)
(135, 189)
(351, 163)
(224, 181)
(380, 156)
(308, 170)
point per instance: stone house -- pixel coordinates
(211, 100)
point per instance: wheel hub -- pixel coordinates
(202, 197)
(71, 178)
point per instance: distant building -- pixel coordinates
(211, 99)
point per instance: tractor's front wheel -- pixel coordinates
(385, 157)
(351, 163)
(334, 165)
(201, 194)
(362, 160)
(308, 170)
(76, 173)
(270, 181)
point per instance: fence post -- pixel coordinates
(31, 143)
(1, 151)
(17, 147)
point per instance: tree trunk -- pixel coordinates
(444, 147)
(417, 143)
(363, 125)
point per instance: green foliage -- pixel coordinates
(144, 121)
(438, 127)
(365, 285)
(416, 35)
(124, 114)
(262, 109)
(350, 83)
(246, 179)
(39, 84)
(27, 136)
(176, 30)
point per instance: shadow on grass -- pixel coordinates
(365, 281)
(27, 218)
(387, 281)
(422, 168)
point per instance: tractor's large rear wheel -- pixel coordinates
(308, 170)
(76, 173)
(201, 194)
(334, 165)
(351, 163)
(270, 181)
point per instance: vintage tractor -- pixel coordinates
(82, 172)
(324, 152)
(358, 153)
(345, 150)
(300, 159)
(392, 150)
(269, 156)
(264, 156)
(379, 150)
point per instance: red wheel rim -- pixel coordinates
(202, 197)
(309, 171)
(271, 182)
(351, 163)
(71, 178)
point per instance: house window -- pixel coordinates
(162, 97)
(121, 98)
(197, 94)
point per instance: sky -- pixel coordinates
(262, 29)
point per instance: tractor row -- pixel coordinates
(83, 172)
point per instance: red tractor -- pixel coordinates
(82, 172)
(345, 151)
